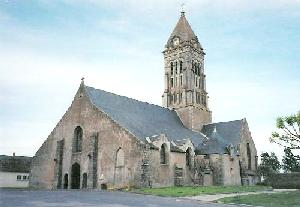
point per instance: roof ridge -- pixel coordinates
(129, 98)
(16, 156)
(223, 122)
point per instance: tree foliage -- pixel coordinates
(290, 162)
(288, 134)
(269, 164)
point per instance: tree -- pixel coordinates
(290, 162)
(269, 164)
(289, 131)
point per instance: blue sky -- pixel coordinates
(252, 62)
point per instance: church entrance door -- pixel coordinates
(75, 176)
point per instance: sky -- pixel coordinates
(46, 46)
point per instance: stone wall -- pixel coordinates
(231, 170)
(163, 174)
(167, 174)
(194, 117)
(249, 175)
(111, 137)
(217, 169)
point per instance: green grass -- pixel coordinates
(286, 199)
(192, 191)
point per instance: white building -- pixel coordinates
(14, 171)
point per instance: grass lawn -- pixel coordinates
(192, 191)
(286, 199)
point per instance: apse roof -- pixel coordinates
(221, 135)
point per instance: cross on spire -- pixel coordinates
(182, 8)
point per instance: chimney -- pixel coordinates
(14, 154)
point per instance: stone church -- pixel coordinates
(106, 140)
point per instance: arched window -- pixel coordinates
(188, 157)
(198, 66)
(120, 162)
(171, 99)
(66, 181)
(192, 64)
(163, 154)
(84, 180)
(180, 67)
(180, 80)
(77, 143)
(172, 68)
(180, 98)
(249, 156)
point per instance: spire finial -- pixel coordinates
(82, 80)
(182, 9)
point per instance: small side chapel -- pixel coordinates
(106, 140)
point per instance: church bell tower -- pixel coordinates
(185, 81)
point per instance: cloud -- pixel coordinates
(150, 6)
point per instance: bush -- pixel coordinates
(285, 180)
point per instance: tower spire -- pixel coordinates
(183, 31)
(185, 81)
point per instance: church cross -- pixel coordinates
(182, 8)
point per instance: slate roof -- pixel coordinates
(221, 135)
(140, 118)
(183, 30)
(15, 163)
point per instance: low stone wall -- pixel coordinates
(285, 180)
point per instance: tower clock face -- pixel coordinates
(176, 41)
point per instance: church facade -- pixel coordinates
(106, 140)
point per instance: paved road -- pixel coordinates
(25, 198)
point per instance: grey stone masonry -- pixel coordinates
(185, 84)
(58, 163)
